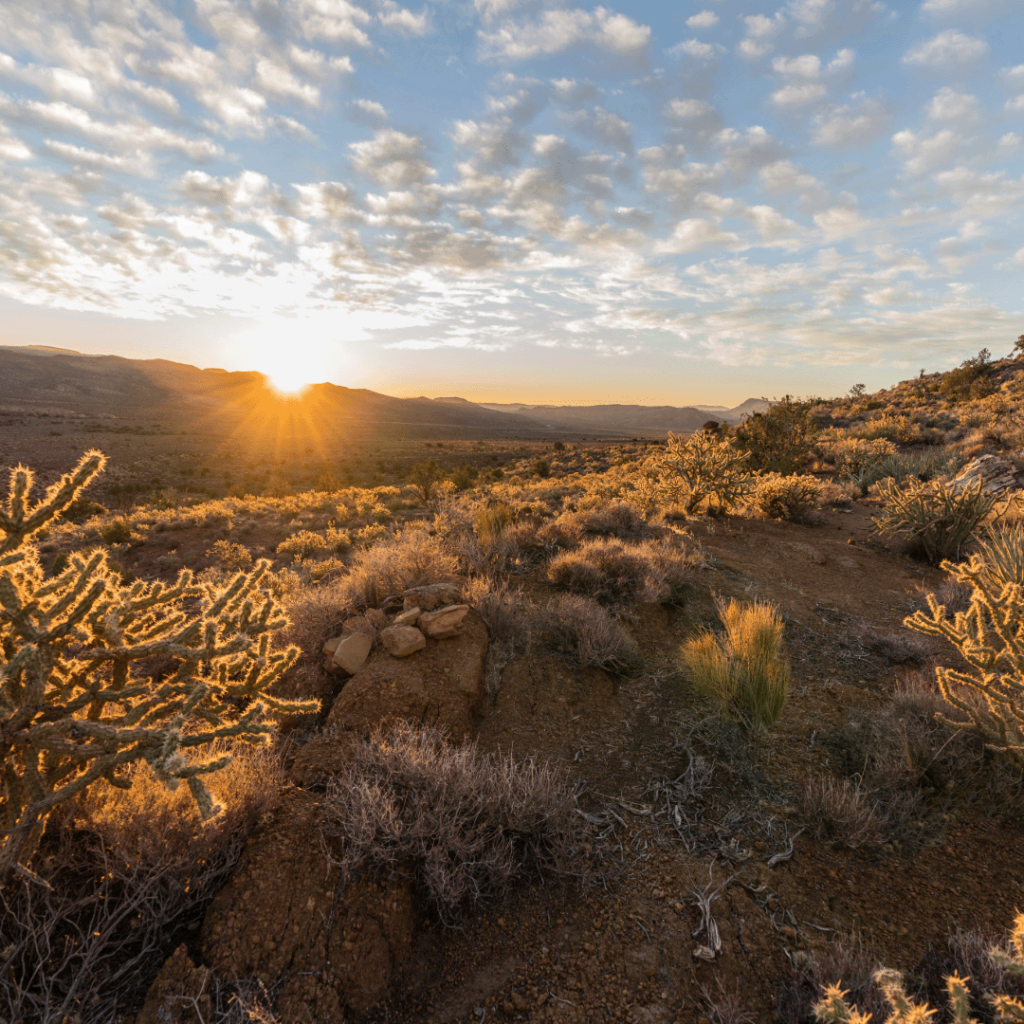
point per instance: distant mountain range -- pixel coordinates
(40, 378)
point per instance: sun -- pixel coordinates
(292, 353)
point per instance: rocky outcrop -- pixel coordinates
(441, 686)
(996, 475)
(286, 918)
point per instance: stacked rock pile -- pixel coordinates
(427, 613)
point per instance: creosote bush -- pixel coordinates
(77, 703)
(467, 825)
(936, 519)
(779, 440)
(745, 670)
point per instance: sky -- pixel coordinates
(666, 202)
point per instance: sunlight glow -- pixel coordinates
(295, 352)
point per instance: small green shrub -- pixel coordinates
(972, 379)
(425, 476)
(465, 477)
(936, 518)
(541, 468)
(792, 498)
(703, 470)
(745, 670)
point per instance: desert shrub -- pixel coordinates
(119, 531)
(77, 702)
(509, 617)
(702, 469)
(492, 519)
(972, 379)
(580, 630)
(936, 519)
(541, 467)
(128, 874)
(304, 544)
(232, 557)
(469, 826)
(780, 439)
(609, 518)
(615, 572)
(465, 477)
(792, 498)
(410, 559)
(989, 639)
(425, 476)
(834, 1009)
(924, 465)
(745, 670)
(850, 455)
(81, 509)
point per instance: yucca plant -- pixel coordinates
(745, 670)
(77, 703)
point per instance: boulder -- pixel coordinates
(286, 918)
(996, 475)
(407, 618)
(330, 646)
(323, 756)
(376, 618)
(359, 624)
(179, 995)
(436, 595)
(352, 652)
(444, 623)
(401, 641)
(441, 685)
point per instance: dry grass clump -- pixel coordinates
(469, 826)
(841, 812)
(615, 572)
(584, 633)
(308, 544)
(231, 557)
(509, 618)
(128, 873)
(745, 670)
(792, 498)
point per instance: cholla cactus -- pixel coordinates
(936, 517)
(76, 700)
(833, 1008)
(990, 638)
(704, 467)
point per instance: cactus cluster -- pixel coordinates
(834, 1009)
(704, 467)
(95, 675)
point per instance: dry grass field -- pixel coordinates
(682, 761)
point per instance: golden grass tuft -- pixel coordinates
(745, 670)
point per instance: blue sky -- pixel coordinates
(515, 201)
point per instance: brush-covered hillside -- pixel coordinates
(669, 730)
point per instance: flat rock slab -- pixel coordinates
(437, 595)
(441, 685)
(284, 916)
(444, 623)
(401, 641)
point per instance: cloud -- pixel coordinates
(761, 31)
(368, 112)
(798, 95)
(948, 51)
(705, 19)
(11, 147)
(953, 107)
(698, 233)
(855, 124)
(392, 159)
(335, 20)
(697, 49)
(921, 154)
(400, 19)
(560, 30)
